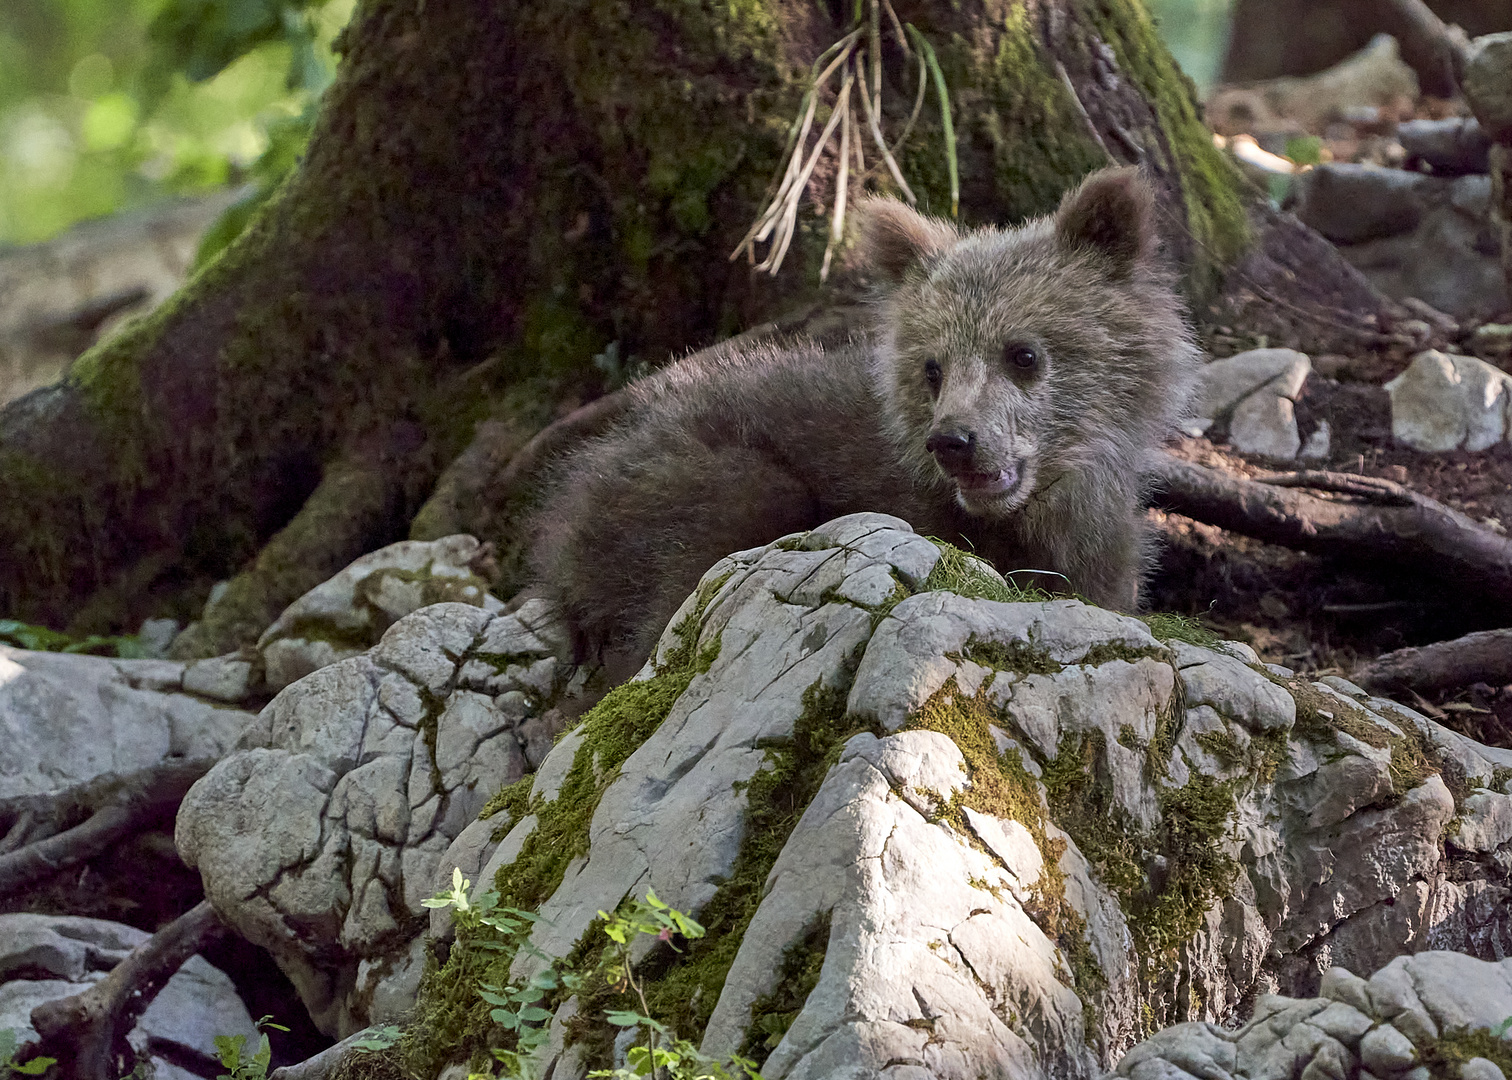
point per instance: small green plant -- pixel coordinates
(42, 639)
(522, 1010)
(376, 1039)
(662, 1053)
(9, 1066)
(231, 1051)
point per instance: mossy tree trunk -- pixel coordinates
(495, 193)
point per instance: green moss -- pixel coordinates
(966, 575)
(773, 1013)
(683, 988)
(452, 1016)
(1001, 785)
(512, 799)
(1168, 626)
(1193, 819)
(1453, 1048)
(1015, 656)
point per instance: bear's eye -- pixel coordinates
(1020, 358)
(932, 374)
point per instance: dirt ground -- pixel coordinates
(1325, 615)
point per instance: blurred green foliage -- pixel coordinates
(110, 104)
(1196, 32)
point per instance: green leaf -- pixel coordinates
(943, 92)
(36, 1066)
(534, 1014)
(625, 1018)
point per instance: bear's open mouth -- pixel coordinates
(987, 483)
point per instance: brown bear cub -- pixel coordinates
(1013, 383)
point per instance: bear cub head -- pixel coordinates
(1008, 360)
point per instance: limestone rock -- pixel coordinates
(320, 836)
(45, 957)
(1397, 1019)
(1224, 383)
(1485, 84)
(1447, 402)
(345, 616)
(67, 719)
(1033, 830)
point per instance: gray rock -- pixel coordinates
(46, 957)
(224, 678)
(1447, 402)
(1265, 424)
(966, 938)
(344, 616)
(1412, 235)
(1225, 383)
(321, 836)
(1478, 1068)
(1485, 84)
(1485, 821)
(1387, 1052)
(67, 719)
(1451, 147)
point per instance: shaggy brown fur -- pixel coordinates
(1014, 381)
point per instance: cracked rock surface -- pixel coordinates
(1432, 1014)
(318, 838)
(1038, 832)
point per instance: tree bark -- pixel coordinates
(506, 189)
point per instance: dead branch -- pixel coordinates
(1484, 657)
(120, 806)
(1396, 526)
(87, 1032)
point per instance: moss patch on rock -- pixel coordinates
(772, 1014)
(1003, 787)
(1445, 1057)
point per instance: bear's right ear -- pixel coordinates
(895, 237)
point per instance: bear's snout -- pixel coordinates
(953, 448)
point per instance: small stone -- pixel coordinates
(1343, 1022)
(1318, 444)
(1485, 84)
(1444, 402)
(1485, 822)
(1387, 1052)
(1479, 1068)
(224, 678)
(1265, 424)
(156, 635)
(1341, 984)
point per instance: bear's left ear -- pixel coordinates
(1112, 212)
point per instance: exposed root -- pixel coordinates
(1396, 525)
(37, 845)
(87, 1032)
(1484, 657)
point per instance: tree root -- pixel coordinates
(87, 1032)
(1484, 657)
(1395, 526)
(36, 844)
(362, 501)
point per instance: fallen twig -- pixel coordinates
(87, 1032)
(1396, 525)
(120, 805)
(1485, 657)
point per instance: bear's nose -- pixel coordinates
(952, 448)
